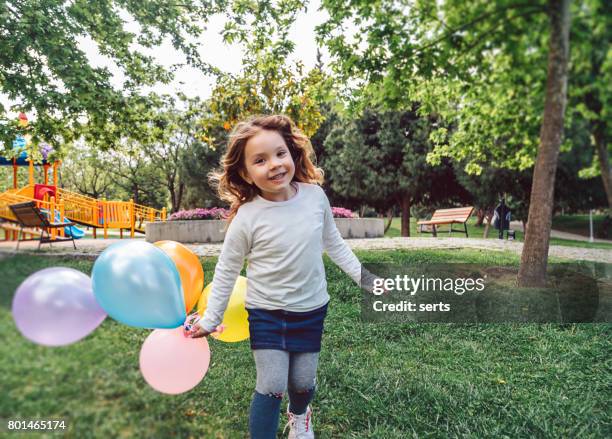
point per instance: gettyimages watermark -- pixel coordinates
(471, 293)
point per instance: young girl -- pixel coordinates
(281, 221)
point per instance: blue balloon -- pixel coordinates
(137, 284)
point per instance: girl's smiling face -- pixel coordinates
(269, 165)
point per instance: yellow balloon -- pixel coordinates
(236, 316)
(189, 269)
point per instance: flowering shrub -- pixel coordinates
(220, 213)
(199, 214)
(45, 150)
(341, 212)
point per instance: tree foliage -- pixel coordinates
(45, 71)
(267, 83)
(380, 160)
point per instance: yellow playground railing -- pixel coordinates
(109, 214)
(87, 210)
(80, 208)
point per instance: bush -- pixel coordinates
(199, 214)
(221, 213)
(341, 212)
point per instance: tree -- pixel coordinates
(267, 83)
(173, 130)
(196, 162)
(577, 188)
(137, 174)
(85, 171)
(331, 111)
(43, 69)
(589, 91)
(404, 53)
(199, 155)
(379, 159)
(479, 64)
(534, 258)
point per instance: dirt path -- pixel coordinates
(90, 248)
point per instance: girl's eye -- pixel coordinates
(282, 153)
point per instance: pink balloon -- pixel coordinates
(172, 363)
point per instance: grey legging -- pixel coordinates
(278, 371)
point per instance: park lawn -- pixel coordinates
(374, 380)
(584, 244)
(578, 224)
(478, 231)
(473, 230)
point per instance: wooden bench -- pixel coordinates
(440, 217)
(29, 216)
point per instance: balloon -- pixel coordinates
(172, 363)
(56, 307)
(189, 268)
(236, 316)
(138, 284)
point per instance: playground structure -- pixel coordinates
(62, 205)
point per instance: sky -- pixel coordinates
(213, 50)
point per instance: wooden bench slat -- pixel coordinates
(450, 218)
(440, 221)
(458, 209)
(458, 215)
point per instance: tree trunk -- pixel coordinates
(534, 259)
(489, 218)
(135, 192)
(593, 101)
(480, 215)
(405, 205)
(389, 219)
(173, 197)
(179, 200)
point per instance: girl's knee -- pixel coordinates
(274, 390)
(302, 385)
(303, 391)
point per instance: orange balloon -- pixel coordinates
(189, 268)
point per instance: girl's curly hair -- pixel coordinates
(227, 181)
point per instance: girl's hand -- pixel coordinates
(197, 332)
(191, 328)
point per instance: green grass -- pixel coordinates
(578, 224)
(584, 244)
(477, 232)
(374, 380)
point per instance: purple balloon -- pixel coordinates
(56, 306)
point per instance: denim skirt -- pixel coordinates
(286, 330)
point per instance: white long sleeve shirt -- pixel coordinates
(283, 242)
